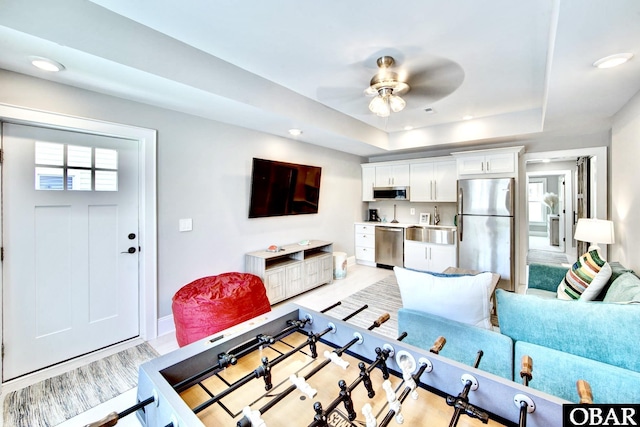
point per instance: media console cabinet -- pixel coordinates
(293, 269)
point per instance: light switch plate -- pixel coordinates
(412, 211)
(185, 224)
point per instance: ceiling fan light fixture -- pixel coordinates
(396, 103)
(380, 106)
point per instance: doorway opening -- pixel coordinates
(562, 165)
(549, 202)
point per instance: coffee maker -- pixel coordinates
(373, 215)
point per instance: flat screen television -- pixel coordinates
(280, 188)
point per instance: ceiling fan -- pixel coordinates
(386, 89)
(430, 79)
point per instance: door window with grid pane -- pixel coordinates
(75, 168)
(537, 208)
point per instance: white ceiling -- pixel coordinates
(519, 67)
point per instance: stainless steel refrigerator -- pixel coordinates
(486, 227)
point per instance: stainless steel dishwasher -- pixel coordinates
(390, 246)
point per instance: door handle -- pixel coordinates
(131, 250)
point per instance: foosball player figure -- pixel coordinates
(345, 396)
(320, 420)
(366, 380)
(381, 357)
(264, 370)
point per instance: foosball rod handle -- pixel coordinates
(526, 369)
(112, 418)
(379, 321)
(584, 391)
(108, 421)
(438, 345)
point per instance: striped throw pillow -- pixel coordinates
(586, 278)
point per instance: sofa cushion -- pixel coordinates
(546, 277)
(461, 298)
(556, 373)
(595, 330)
(542, 293)
(463, 341)
(617, 270)
(586, 278)
(626, 288)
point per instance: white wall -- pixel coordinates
(204, 172)
(625, 176)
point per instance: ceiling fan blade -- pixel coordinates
(434, 81)
(349, 100)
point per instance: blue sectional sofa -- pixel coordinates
(568, 340)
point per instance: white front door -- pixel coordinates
(70, 240)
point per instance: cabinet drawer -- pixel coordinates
(365, 229)
(366, 240)
(365, 253)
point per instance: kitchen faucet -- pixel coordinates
(436, 216)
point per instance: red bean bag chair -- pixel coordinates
(211, 304)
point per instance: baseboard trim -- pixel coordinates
(166, 325)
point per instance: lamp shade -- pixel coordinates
(594, 231)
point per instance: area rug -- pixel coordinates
(546, 257)
(381, 297)
(54, 400)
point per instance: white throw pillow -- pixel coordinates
(461, 298)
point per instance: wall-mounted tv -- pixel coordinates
(280, 188)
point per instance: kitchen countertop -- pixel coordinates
(403, 224)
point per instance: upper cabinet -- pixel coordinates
(433, 181)
(392, 175)
(500, 162)
(368, 181)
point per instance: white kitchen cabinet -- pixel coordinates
(392, 175)
(429, 256)
(433, 181)
(499, 161)
(365, 240)
(368, 182)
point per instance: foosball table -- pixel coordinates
(299, 367)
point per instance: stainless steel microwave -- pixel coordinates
(391, 193)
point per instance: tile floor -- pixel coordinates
(358, 277)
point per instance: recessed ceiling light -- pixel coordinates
(546, 160)
(46, 64)
(295, 132)
(467, 117)
(613, 60)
